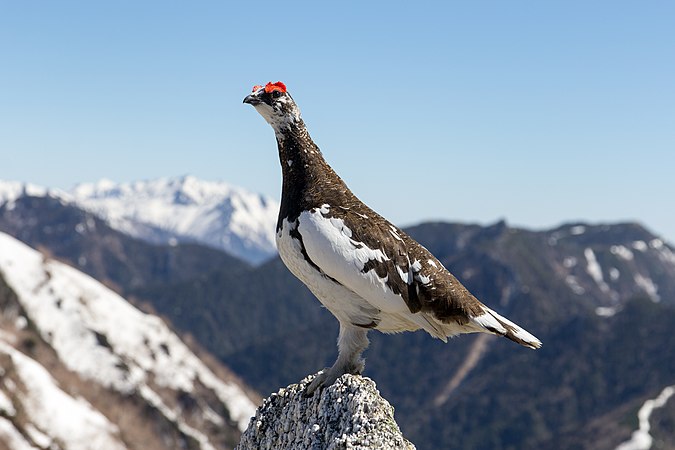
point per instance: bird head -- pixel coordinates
(274, 104)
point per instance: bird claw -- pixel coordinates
(328, 376)
(318, 382)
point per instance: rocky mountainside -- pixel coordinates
(601, 298)
(350, 414)
(173, 210)
(82, 368)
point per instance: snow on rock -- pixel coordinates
(6, 405)
(614, 273)
(102, 337)
(350, 414)
(648, 285)
(569, 262)
(622, 252)
(573, 284)
(174, 417)
(594, 270)
(55, 415)
(606, 311)
(641, 439)
(10, 436)
(577, 230)
(639, 246)
(656, 243)
(666, 255)
(11, 190)
(170, 210)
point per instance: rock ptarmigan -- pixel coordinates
(366, 271)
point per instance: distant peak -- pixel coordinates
(186, 208)
(11, 190)
(188, 179)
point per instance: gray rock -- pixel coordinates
(350, 414)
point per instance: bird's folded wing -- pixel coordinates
(382, 264)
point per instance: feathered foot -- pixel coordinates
(352, 341)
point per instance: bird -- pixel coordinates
(365, 270)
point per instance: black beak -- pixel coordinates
(252, 100)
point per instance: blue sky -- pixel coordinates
(535, 112)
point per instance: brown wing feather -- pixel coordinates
(429, 287)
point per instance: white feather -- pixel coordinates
(330, 246)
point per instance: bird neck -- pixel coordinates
(299, 155)
(303, 168)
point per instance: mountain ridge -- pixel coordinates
(600, 296)
(522, 273)
(172, 210)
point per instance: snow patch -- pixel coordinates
(614, 273)
(656, 244)
(570, 262)
(666, 255)
(606, 311)
(55, 414)
(622, 252)
(21, 322)
(6, 405)
(594, 270)
(648, 286)
(155, 400)
(641, 439)
(573, 284)
(11, 190)
(577, 230)
(11, 436)
(639, 245)
(38, 437)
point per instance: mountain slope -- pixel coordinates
(601, 297)
(55, 415)
(88, 243)
(574, 286)
(186, 210)
(84, 331)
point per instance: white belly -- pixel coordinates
(347, 306)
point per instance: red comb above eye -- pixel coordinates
(278, 86)
(256, 87)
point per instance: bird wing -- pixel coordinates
(395, 274)
(374, 258)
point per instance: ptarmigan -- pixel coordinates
(366, 271)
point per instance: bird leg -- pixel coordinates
(352, 341)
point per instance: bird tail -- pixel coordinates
(494, 323)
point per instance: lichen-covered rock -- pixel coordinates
(350, 414)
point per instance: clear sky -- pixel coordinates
(537, 112)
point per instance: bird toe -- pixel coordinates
(317, 383)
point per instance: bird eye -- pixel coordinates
(276, 94)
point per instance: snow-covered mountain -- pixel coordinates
(186, 209)
(171, 210)
(81, 368)
(11, 190)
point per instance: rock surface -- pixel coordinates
(350, 414)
